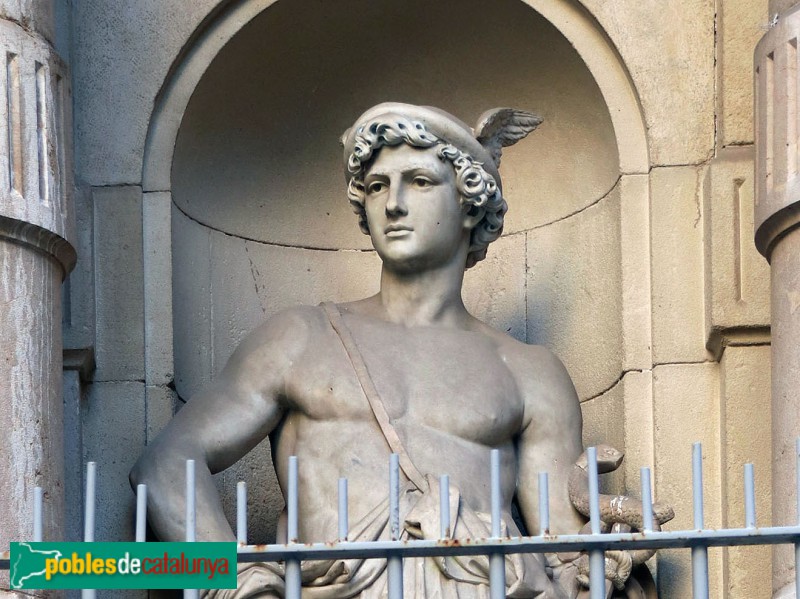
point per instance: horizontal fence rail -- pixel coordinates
(395, 550)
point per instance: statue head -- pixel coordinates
(474, 156)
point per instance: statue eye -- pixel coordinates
(422, 182)
(376, 187)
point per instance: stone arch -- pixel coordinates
(571, 18)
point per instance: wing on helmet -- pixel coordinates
(502, 127)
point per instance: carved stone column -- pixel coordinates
(35, 257)
(777, 236)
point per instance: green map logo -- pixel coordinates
(27, 562)
(123, 566)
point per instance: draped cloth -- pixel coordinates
(462, 577)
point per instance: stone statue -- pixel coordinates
(408, 370)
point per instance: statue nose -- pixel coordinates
(396, 204)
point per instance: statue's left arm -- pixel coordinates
(550, 440)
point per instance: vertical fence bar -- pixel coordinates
(344, 525)
(37, 514)
(749, 497)
(293, 582)
(497, 561)
(647, 500)
(544, 505)
(444, 507)
(88, 512)
(141, 513)
(597, 562)
(88, 515)
(797, 498)
(699, 554)
(191, 517)
(191, 512)
(241, 512)
(394, 564)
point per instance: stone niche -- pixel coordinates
(260, 216)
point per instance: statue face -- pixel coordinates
(413, 209)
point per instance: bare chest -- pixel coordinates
(434, 380)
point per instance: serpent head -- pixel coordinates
(608, 459)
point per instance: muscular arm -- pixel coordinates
(550, 441)
(217, 427)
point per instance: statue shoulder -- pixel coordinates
(540, 375)
(281, 338)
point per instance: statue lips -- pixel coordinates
(397, 230)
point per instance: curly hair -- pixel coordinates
(477, 188)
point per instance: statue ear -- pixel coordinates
(502, 127)
(473, 215)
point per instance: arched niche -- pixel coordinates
(260, 220)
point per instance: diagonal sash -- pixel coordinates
(371, 393)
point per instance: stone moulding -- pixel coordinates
(81, 360)
(720, 338)
(39, 239)
(776, 227)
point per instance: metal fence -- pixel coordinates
(698, 539)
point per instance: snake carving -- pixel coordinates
(618, 513)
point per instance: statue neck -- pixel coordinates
(423, 298)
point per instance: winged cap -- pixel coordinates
(497, 128)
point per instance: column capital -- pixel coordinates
(41, 239)
(777, 120)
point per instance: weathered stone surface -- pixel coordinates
(73, 456)
(604, 422)
(575, 296)
(31, 409)
(118, 68)
(740, 25)
(677, 265)
(192, 318)
(634, 191)
(686, 410)
(114, 421)
(119, 283)
(639, 428)
(494, 289)
(157, 244)
(736, 275)
(78, 290)
(669, 52)
(785, 383)
(161, 404)
(746, 435)
(31, 14)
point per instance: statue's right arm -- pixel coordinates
(218, 426)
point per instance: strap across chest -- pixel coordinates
(373, 398)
